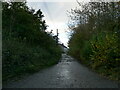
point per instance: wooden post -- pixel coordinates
(57, 35)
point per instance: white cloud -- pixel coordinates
(51, 0)
(55, 16)
(57, 0)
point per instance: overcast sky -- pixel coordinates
(56, 16)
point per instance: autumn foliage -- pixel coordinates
(95, 39)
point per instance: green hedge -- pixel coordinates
(20, 58)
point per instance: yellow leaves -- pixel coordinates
(117, 59)
(107, 38)
(104, 49)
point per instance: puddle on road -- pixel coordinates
(64, 74)
(65, 59)
(64, 65)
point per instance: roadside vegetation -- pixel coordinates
(95, 37)
(27, 47)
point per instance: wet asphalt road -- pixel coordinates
(68, 73)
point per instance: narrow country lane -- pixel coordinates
(68, 73)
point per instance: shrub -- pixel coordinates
(105, 53)
(19, 58)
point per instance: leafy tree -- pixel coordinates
(26, 45)
(95, 37)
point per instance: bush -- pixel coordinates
(27, 47)
(105, 50)
(86, 53)
(20, 58)
(105, 54)
(95, 37)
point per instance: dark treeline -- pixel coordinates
(27, 47)
(95, 39)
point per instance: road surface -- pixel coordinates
(68, 73)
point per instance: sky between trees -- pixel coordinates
(56, 16)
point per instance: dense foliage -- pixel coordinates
(95, 39)
(27, 47)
